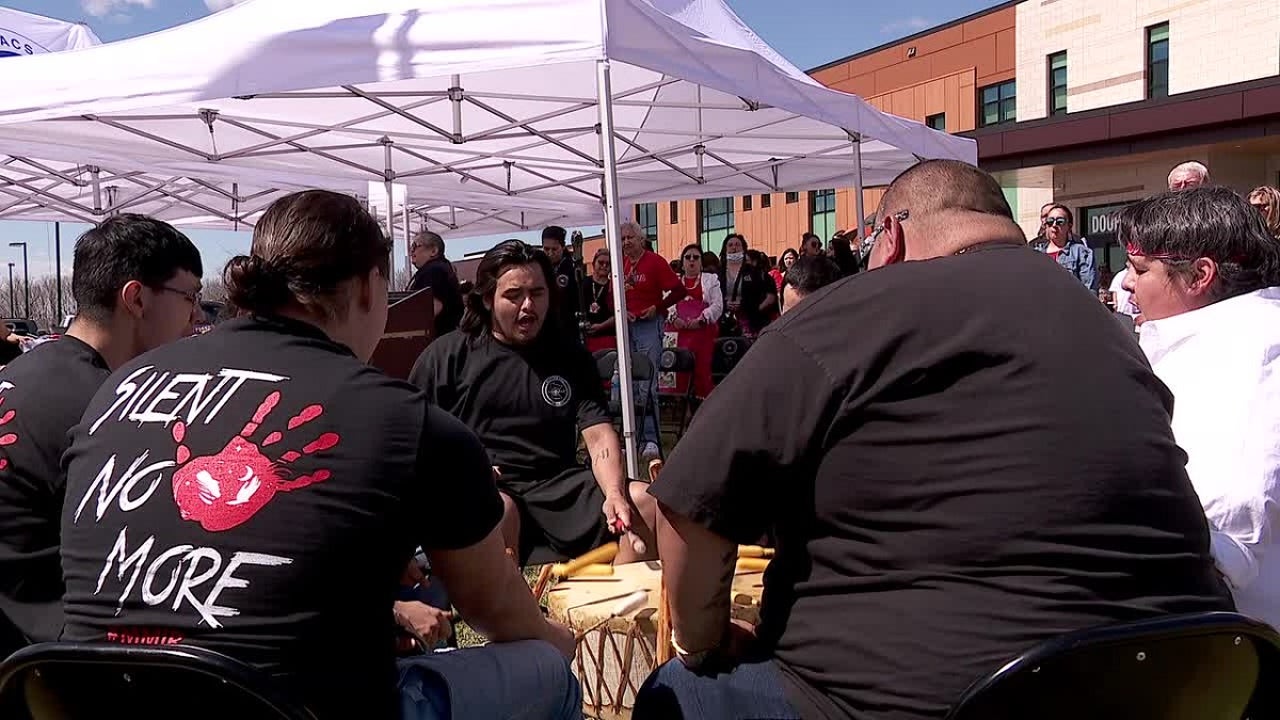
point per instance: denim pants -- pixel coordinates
(646, 339)
(750, 691)
(528, 680)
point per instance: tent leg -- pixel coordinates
(612, 221)
(858, 206)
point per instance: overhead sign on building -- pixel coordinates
(26, 34)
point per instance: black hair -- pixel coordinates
(124, 248)
(811, 272)
(1180, 226)
(725, 243)
(304, 248)
(554, 232)
(507, 254)
(1071, 219)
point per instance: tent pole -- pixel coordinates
(858, 206)
(95, 179)
(455, 99)
(612, 222)
(388, 175)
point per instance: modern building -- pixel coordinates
(1088, 103)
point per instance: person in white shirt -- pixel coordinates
(1204, 273)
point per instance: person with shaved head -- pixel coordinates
(945, 494)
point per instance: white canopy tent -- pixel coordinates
(541, 108)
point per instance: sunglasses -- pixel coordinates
(692, 257)
(869, 243)
(1051, 222)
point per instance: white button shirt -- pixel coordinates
(1222, 363)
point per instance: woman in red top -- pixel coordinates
(696, 318)
(787, 259)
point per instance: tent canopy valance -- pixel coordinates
(490, 101)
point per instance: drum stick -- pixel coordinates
(625, 606)
(750, 564)
(544, 577)
(664, 650)
(754, 551)
(602, 554)
(592, 570)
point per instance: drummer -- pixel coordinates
(273, 486)
(527, 392)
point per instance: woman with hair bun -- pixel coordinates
(289, 485)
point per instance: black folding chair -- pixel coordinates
(678, 360)
(75, 681)
(1210, 666)
(642, 371)
(728, 353)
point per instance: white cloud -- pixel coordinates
(216, 5)
(906, 26)
(103, 8)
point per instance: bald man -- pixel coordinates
(1188, 175)
(942, 491)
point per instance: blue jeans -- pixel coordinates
(750, 690)
(646, 339)
(528, 680)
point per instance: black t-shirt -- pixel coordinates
(42, 394)
(567, 281)
(599, 304)
(750, 289)
(439, 275)
(526, 404)
(951, 486)
(259, 491)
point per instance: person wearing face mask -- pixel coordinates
(750, 295)
(511, 376)
(929, 514)
(1070, 252)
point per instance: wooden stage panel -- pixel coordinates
(410, 328)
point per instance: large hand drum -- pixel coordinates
(616, 654)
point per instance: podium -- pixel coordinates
(410, 328)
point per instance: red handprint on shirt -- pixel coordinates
(6, 439)
(223, 491)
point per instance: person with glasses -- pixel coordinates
(941, 490)
(434, 271)
(695, 319)
(599, 329)
(1266, 200)
(136, 284)
(1069, 251)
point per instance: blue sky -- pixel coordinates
(807, 32)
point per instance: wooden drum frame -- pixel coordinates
(616, 654)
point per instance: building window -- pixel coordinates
(937, 122)
(647, 219)
(822, 213)
(999, 104)
(793, 197)
(715, 220)
(674, 211)
(1158, 61)
(766, 200)
(1058, 83)
(746, 203)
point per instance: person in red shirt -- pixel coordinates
(652, 287)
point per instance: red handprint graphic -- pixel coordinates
(223, 491)
(8, 438)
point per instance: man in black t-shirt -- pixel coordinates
(434, 271)
(136, 283)
(944, 495)
(259, 490)
(566, 273)
(527, 392)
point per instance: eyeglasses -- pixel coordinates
(192, 296)
(1052, 222)
(869, 243)
(692, 257)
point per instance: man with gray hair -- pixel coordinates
(434, 271)
(1188, 175)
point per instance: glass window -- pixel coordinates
(937, 122)
(1158, 61)
(746, 203)
(766, 200)
(793, 198)
(715, 220)
(1058, 83)
(647, 219)
(822, 213)
(999, 104)
(674, 210)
